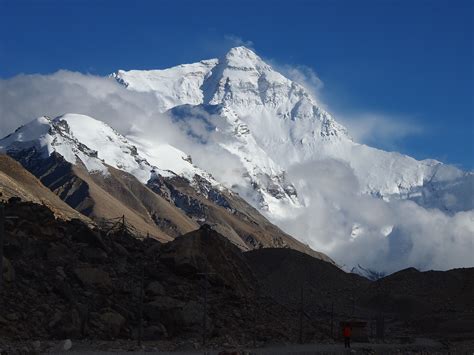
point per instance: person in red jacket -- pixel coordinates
(347, 332)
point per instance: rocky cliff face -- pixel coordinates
(270, 122)
(101, 174)
(64, 279)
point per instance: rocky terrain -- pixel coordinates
(99, 173)
(66, 279)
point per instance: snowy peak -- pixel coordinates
(241, 79)
(81, 139)
(271, 123)
(172, 87)
(45, 136)
(245, 59)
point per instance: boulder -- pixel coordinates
(93, 277)
(64, 345)
(94, 255)
(155, 288)
(192, 314)
(155, 332)
(66, 324)
(162, 307)
(8, 270)
(113, 322)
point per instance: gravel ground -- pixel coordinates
(419, 346)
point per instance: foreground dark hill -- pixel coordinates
(66, 280)
(434, 303)
(286, 273)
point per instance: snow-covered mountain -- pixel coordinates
(270, 123)
(103, 174)
(241, 118)
(81, 139)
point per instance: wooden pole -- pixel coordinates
(2, 237)
(332, 320)
(255, 313)
(301, 315)
(204, 314)
(140, 308)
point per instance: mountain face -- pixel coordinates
(16, 182)
(98, 172)
(239, 106)
(270, 123)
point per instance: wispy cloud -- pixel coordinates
(380, 129)
(420, 237)
(430, 238)
(236, 41)
(384, 130)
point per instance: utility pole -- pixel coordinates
(255, 313)
(204, 307)
(301, 314)
(2, 237)
(353, 304)
(140, 304)
(332, 320)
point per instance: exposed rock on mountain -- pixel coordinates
(271, 122)
(17, 182)
(104, 179)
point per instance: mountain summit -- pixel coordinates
(271, 123)
(260, 143)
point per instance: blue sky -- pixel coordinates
(400, 70)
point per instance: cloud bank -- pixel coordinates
(349, 227)
(389, 236)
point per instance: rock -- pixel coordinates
(36, 345)
(8, 270)
(56, 319)
(113, 322)
(65, 345)
(192, 314)
(94, 255)
(155, 288)
(61, 273)
(66, 324)
(57, 252)
(120, 250)
(12, 316)
(161, 306)
(155, 332)
(93, 277)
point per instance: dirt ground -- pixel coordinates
(418, 346)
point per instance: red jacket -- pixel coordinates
(347, 331)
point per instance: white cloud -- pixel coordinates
(236, 41)
(383, 130)
(422, 238)
(380, 129)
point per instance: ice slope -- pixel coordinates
(45, 136)
(173, 87)
(276, 123)
(83, 139)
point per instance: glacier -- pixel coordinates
(272, 123)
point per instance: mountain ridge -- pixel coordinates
(101, 174)
(286, 126)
